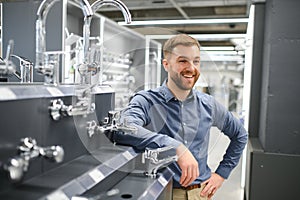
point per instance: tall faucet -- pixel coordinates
(42, 13)
(86, 32)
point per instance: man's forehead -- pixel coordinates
(186, 51)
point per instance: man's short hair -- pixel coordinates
(180, 39)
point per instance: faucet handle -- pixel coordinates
(58, 109)
(53, 153)
(27, 144)
(16, 167)
(9, 50)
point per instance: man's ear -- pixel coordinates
(165, 64)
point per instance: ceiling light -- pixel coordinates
(218, 48)
(185, 22)
(202, 37)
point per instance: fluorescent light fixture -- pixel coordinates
(222, 58)
(221, 52)
(200, 37)
(220, 48)
(185, 22)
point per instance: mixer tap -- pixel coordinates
(28, 150)
(58, 109)
(110, 124)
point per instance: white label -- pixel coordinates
(54, 91)
(6, 94)
(96, 175)
(162, 181)
(127, 155)
(78, 198)
(59, 195)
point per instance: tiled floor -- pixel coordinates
(231, 188)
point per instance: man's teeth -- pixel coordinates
(188, 76)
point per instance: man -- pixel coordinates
(176, 115)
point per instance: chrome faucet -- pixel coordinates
(28, 150)
(116, 3)
(110, 125)
(41, 56)
(59, 110)
(83, 105)
(86, 68)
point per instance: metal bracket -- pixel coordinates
(156, 159)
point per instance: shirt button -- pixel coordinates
(184, 124)
(185, 142)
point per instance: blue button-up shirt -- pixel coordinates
(162, 120)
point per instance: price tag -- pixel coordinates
(6, 94)
(58, 195)
(162, 181)
(55, 91)
(96, 175)
(127, 155)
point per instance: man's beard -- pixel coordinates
(179, 79)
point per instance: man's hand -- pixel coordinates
(188, 166)
(212, 185)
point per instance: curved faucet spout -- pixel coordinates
(86, 8)
(83, 70)
(40, 30)
(116, 3)
(42, 13)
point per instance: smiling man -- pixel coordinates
(176, 115)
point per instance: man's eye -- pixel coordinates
(196, 62)
(182, 61)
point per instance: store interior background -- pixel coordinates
(249, 62)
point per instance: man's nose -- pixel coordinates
(192, 66)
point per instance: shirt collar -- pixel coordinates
(168, 95)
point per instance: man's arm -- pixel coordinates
(136, 115)
(233, 128)
(237, 134)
